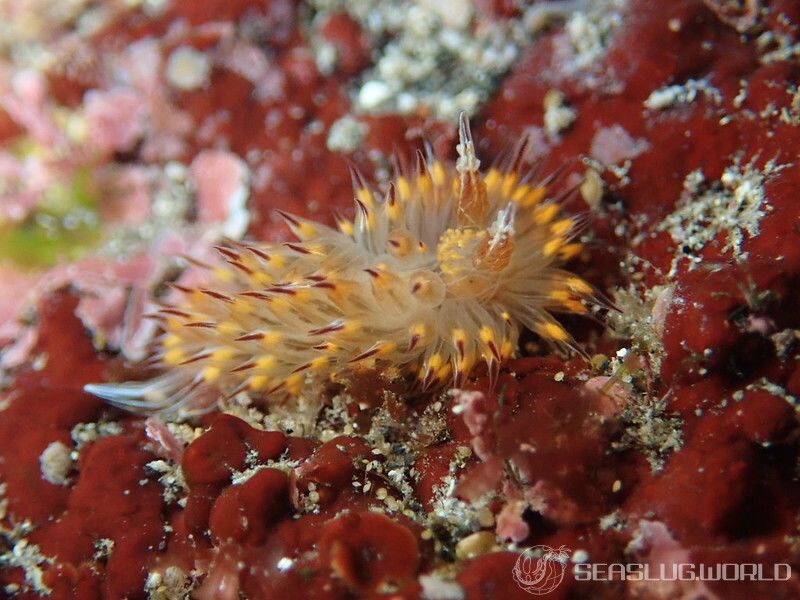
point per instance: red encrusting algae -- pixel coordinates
(676, 443)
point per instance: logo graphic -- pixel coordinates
(540, 569)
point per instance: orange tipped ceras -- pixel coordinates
(438, 276)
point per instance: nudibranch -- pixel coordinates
(437, 276)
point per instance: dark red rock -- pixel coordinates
(729, 494)
(490, 576)
(332, 466)
(433, 464)
(723, 467)
(198, 507)
(212, 457)
(243, 513)
(765, 418)
(368, 551)
(700, 332)
(43, 407)
(556, 440)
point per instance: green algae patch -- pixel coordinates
(64, 226)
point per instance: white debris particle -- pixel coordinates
(346, 134)
(83, 433)
(791, 114)
(188, 69)
(686, 93)
(55, 463)
(787, 48)
(298, 416)
(772, 388)
(373, 94)
(651, 429)
(435, 587)
(589, 37)
(732, 208)
(284, 564)
(580, 556)
(172, 584)
(326, 56)
(557, 115)
(28, 557)
(439, 55)
(640, 320)
(103, 548)
(284, 465)
(170, 476)
(611, 521)
(455, 14)
(185, 432)
(154, 8)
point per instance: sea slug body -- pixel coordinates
(435, 278)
